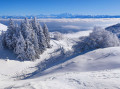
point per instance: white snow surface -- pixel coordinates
(2, 28)
(98, 69)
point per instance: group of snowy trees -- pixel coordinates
(99, 38)
(28, 40)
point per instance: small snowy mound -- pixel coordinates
(2, 28)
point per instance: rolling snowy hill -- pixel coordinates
(97, 69)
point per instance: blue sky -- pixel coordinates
(36, 7)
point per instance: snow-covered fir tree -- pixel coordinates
(14, 36)
(2, 40)
(46, 33)
(40, 35)
(20, 47)
(9, 34)
(27, 40)
(30, 52)
(26, 28)
(36, 46)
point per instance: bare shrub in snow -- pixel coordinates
(99, 38)
(58, 36)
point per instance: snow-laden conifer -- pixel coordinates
(9, 34)
(40, 35)
(20, 47)
(30, 52)
(47, 36)
(26, 40)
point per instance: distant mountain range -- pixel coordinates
(64, 15)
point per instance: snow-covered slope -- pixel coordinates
(108, 79)
(8, 60)
(97, 69)
(2, 28)
(101, 59)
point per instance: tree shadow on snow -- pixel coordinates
(6, 54)
(53, 61)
